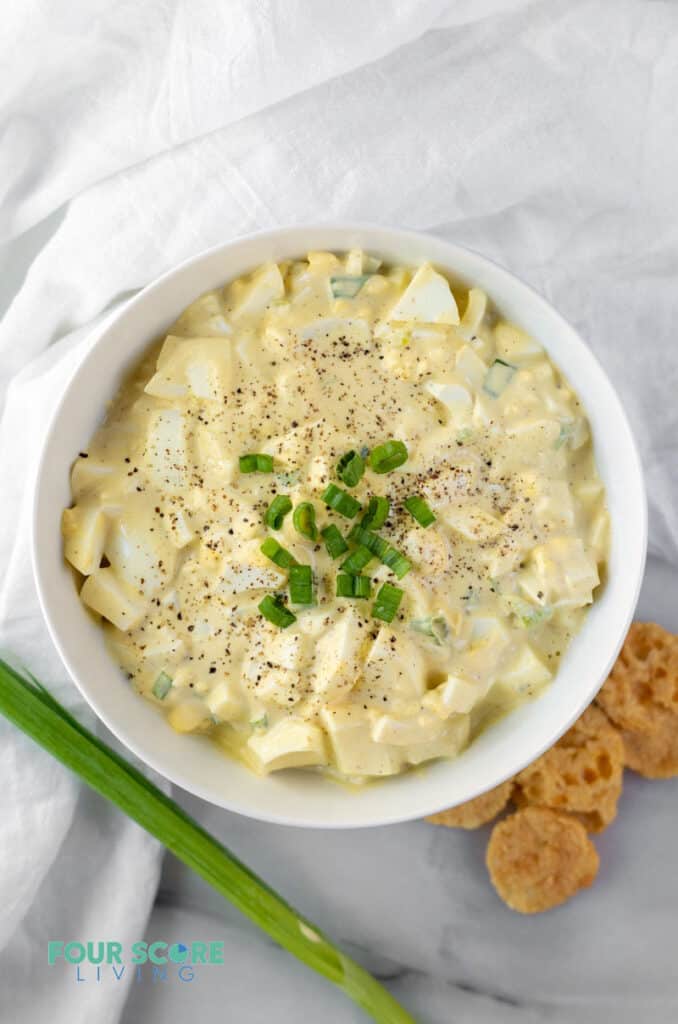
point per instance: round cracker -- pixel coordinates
(477, 812)
(644, 680)
(582, 773)
(538, 858)
(654, 755)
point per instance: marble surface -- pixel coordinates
(414, 904)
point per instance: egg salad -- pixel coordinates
(342, 516)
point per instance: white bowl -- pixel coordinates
(307, 798)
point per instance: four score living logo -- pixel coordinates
(100, 961)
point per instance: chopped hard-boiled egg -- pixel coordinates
(393, 667)
(455, 696)
(104, 593)
(264, 287)
(561, 573)
(225, 702)
(526, 671)
(84, 531)
(403, 732)
(337, 664)
(289, 743)
(354, 750)
(427, 299)
(454, 396)
(195, 368)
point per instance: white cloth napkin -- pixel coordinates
(133, 136)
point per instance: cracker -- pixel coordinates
(644, 680)
(655, 754)
(477, 812)
(582, 773)
(538, 858)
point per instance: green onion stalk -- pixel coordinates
(30, 707)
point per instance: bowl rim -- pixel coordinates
(400, 237)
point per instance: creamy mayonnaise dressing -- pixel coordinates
(306, 361)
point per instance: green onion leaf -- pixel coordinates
(388, 456)
(288, 477)
(357, 560)
(334, 542)
(353, 586)
(350, 468)
(566, 431)
(361, 586)
(368, 539)
(278, 555)
(277, 510)
(301, 584)
(344, 585)
(347, 286)
(273, 609)
(497, 377)
(341, 502)
(32, 709)
(387, 602)
(435, 627)
(377, 513)
(256, 463)
(303, 518)
(419, 510)
(527, 614)
(382, 549)
(162, 686)
(397, 563)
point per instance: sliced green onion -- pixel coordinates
(527, 614)
(382, 549)
(304, 520)
(273, 609)
(566, 432)
(341, 502)
(334, 542)
(361, 586)
(368, 539)
(353, 586)
(397, 563)
(277, 510)
(377, 513)
(301, 584)
(256, 463)
(419, 510)
(32, 709)
(357, 561)
(347, 286)
(350, 468)
(387, 602)
(344, 585)
(388, 456)
(288, 477)
(435, 627)
(535, 616)
(497, 377)
(162, 686)
(279, 555)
